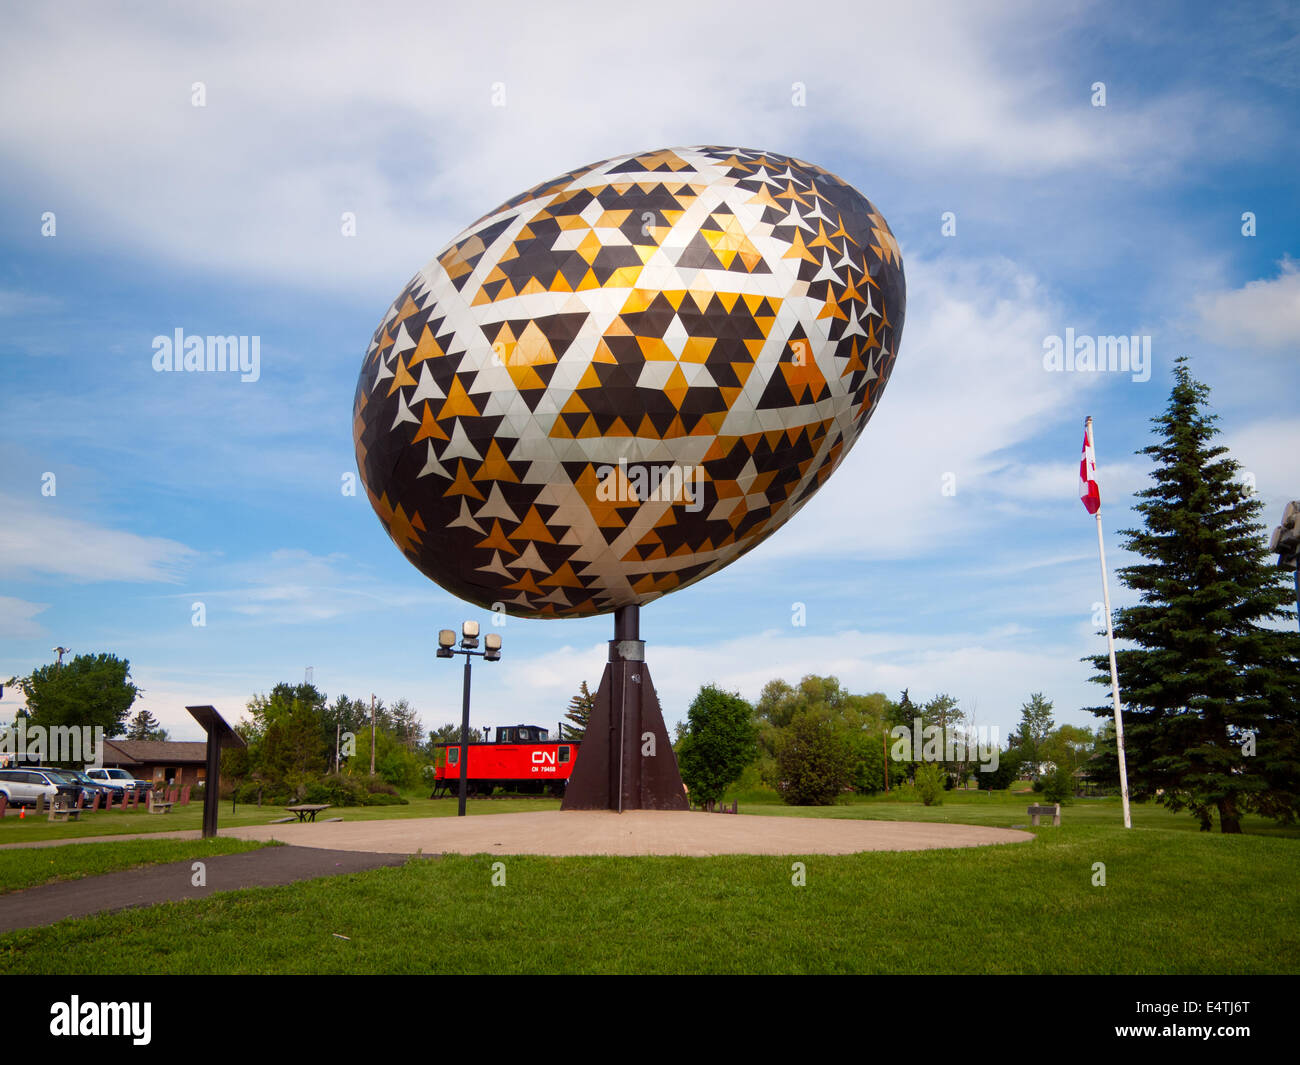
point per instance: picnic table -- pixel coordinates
(307, 811)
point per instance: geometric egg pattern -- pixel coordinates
(626, 377)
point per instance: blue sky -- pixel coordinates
(176, 489)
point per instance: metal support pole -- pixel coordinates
(212, 786)
(464, 741)
(1114, 679)
(627, 626)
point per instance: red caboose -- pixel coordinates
(521, 758)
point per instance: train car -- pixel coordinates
(521, 758)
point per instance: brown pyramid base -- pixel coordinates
(620, 767)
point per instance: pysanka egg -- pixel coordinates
(623, 379)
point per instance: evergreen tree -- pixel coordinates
(1211, 692)
(579, 712)
(144, 726)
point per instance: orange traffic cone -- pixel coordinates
(22, 813)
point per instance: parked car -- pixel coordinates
(86, 782)
(22, 787)
(119, 780)
(88, 788)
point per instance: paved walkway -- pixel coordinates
(632, 833)
(146, 886)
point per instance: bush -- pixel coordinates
(929, 784)
(382, 798)
(1059, 785)
(337, 789)
(1003, 776)
(247, 792)
(814, 762)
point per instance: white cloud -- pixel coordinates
(167, 699)
(1266, 450)
(968, 385)
(291, 586)
(17, 618)
(1261, 317)
(13, 302)
(39, 539)
(1058, 482)
(311, 112)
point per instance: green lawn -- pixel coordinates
(124, 822)
(1004, 810)
(28, 866)
(1175, 901)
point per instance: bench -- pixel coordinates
(328, 820)
(1035, 812)
(159, 807)
(61, 811)
(282, 820)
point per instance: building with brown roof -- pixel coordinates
(166, 762)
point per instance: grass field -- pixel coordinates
(124, 822)
(26, 867)
(1175, 901)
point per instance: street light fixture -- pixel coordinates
(491, 653)
(1286, 544)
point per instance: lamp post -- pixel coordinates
(491, 653)
(1286, 545)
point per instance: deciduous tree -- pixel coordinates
(721, 740)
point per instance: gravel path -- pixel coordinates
(631, 833)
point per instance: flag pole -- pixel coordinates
(1110, 645)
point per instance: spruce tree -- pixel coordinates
(144, 726)
(579, 712)
(1210, 684)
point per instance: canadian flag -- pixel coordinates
(1088, 490)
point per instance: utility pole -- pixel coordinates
(61, 651)
(372, 734)
(884, 748)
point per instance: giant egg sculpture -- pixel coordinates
(626, 377)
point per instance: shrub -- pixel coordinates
(337, 789)
(247, 792)
(814, 762)
(1059, 785)
(929, 784)
(1002, 777)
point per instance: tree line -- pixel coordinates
(814, 742)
